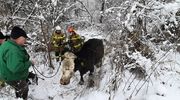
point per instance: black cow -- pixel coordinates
(90, 54)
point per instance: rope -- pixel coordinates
(35, 69)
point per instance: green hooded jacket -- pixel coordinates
(14, 62)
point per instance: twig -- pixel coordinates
(152, 71)
(29, 16)
(86, 9)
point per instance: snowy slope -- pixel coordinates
(163, 84)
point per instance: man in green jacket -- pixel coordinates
(14, 62)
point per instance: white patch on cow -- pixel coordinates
(67, 67)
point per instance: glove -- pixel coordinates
(33, 77)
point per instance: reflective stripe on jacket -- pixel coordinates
(75, 42)
(57, 39)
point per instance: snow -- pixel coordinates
(166, 86)
(164, 83)
(95, 95)
(54, 2)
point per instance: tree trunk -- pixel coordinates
(44, 31)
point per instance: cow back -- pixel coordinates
(92, 50)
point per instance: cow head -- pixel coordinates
(68, 66)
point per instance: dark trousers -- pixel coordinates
(21, 88)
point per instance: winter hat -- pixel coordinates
(18, 32)
(2, 36)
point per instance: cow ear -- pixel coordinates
(62, 56)
(74, 56)
(66, 55)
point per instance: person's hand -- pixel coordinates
(33, 77)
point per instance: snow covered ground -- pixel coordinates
(164, 83)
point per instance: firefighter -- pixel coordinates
(75, 40)
(58, 40)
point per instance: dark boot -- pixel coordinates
(21, 88)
